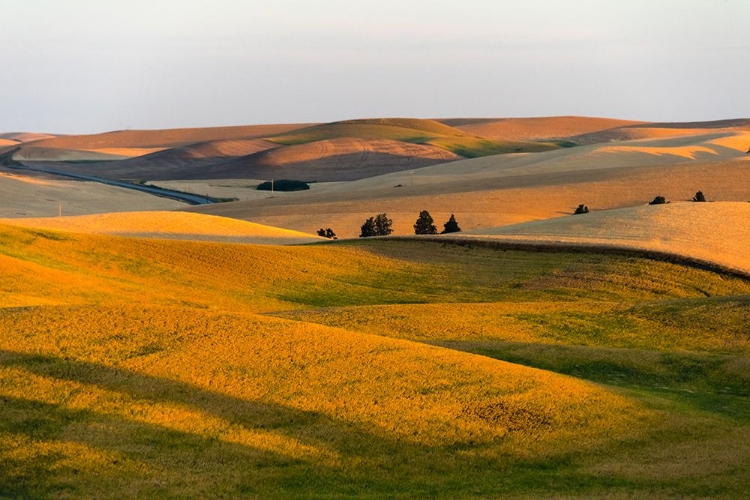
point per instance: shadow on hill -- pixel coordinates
(147, 459)
(716, 383)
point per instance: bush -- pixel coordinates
(699, 196)
(425, 224)
(380, 225)
(327, 233)
(659, 200)
(451, 226)
(283, 185)
(582, 209)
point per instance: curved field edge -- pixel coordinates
(622, 249)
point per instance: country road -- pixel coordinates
(192, 199)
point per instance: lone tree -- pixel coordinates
(582, 209)
(380, 225)
(699, 196)
(327, 233)
(425, 224)
(659, 200)
(451, 226)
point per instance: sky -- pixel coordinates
(85, 66)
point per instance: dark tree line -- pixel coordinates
(381, 225)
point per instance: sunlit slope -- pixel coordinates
(341, 159)
(171, 225)
(25, 136)
(507, 189)
(195, 161)
(412, 131)
(635, 131)
(138, 367)
(711, 232)
(8, 142)
(151, 367)
(163, 138)
(134, 401)
(526, 129)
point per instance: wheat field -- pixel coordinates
(148, 367)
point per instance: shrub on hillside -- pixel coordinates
(582, 209)
(283, 185)
(451, 226)
(327, 233)
(659, 200)
(425, 224)
(699, 196)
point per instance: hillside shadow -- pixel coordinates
(368, 461)
(138, 459)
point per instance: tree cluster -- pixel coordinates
(380, 225)
(582, 209)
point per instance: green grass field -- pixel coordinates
(134, 368)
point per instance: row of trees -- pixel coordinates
(659, 200)
(381, 225)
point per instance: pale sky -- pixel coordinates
(84, 66)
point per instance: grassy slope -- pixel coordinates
(137, 368)
(414, 131)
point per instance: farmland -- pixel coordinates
(136, 367)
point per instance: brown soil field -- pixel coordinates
(196, 161)
(34, 153)
(339, 160)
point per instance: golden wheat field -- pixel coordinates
(149, 367)
(168, 225)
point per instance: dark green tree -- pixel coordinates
(383, 225)
(451, 226)
(368, 228)
(699, 196)
(380, 225)
(582, 209)
(425, 224)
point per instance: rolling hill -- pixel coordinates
(168, 225)
(136, 367)
(508, 189)
(338, 151)
(709, 232)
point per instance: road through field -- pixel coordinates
(191, 199)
